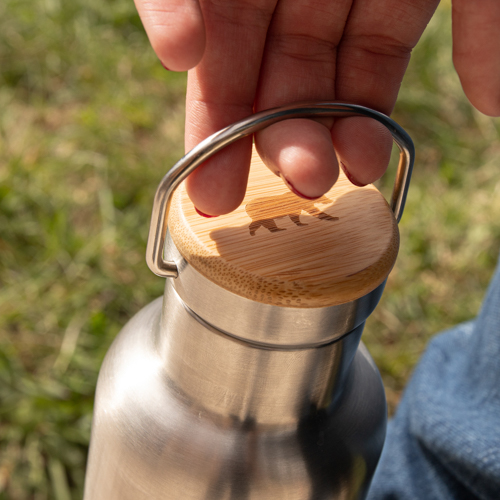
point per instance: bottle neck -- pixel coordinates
(264, 324)
(248, 381)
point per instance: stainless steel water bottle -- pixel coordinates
(247, 380)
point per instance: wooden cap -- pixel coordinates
(280, 249)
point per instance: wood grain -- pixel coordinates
(279, 249)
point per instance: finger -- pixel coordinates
(371, 61)
(476, 52)
(364, 147)
(176, 31)
(299, 64)
(301, 152)
(221, 90)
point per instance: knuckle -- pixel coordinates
(303, 47)
(239, 13)
(379, 45)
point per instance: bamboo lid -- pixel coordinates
(280, 249)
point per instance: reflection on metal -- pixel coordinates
(270, 403)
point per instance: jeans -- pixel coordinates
(444, 442)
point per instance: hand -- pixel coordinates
(250, 55)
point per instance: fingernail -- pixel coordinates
(294, 191)
(164, 66)
(205, 215)
(350, 177)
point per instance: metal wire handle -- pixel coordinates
(250, 125)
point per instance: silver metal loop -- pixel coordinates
(248, 126)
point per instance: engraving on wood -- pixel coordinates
(263, 211)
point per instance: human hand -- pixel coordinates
(250, 55)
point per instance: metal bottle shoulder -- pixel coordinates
(153, 437)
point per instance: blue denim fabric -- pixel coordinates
(444, 442)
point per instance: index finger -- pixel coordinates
(176, 31)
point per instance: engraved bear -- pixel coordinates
(264, 211)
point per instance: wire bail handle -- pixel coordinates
(248, 126)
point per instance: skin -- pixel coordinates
(249, 55)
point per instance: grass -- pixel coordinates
(89, 123)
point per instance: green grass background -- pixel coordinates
(89, 123)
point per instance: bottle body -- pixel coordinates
(183, 411)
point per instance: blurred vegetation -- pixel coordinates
(89, 123)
